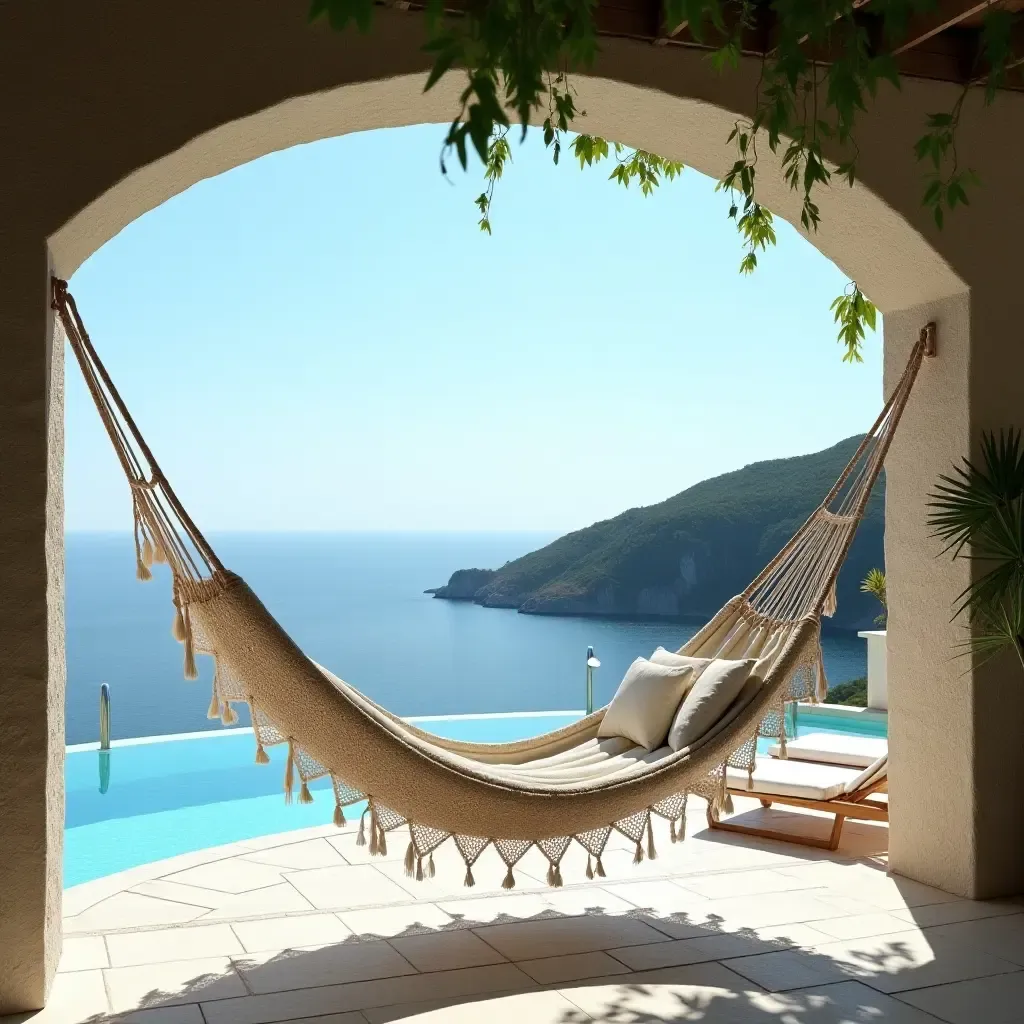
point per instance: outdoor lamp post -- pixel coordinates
(104, 738)
(592, 663)
(104, 717)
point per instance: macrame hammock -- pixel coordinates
(547, 792)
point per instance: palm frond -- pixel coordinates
(964, 504)
(874, 583)
(997, 628)
(978, 513)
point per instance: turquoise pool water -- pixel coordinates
(171, 795)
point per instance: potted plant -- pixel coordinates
(978, 512)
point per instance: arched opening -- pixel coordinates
(860, 232)
(874, 232)
(244, 318)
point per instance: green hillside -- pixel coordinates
(687, 555)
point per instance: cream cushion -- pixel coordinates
(709, 698)
(645, 702)
(673, 660)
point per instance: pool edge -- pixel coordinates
(134, 741)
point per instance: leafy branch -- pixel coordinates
(819, 73)
(498, 154)
(947, 182)
(852, 311)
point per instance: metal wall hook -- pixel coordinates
(929, 335)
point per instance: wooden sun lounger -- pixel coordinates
(856, 804)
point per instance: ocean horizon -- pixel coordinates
(355, 602)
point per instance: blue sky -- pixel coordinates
(323, 340)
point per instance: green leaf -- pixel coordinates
(853, 312)
(442, 64)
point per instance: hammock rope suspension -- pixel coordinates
(546, 794)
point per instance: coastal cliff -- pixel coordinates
(685, 557)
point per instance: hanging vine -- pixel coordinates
(819, 74)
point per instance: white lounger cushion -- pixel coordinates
(874, 773)
(835, 748)
(773, 776)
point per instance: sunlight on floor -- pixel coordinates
(305, 926)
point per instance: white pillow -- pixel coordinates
(663, 657)
(709, 697)
(645, 702)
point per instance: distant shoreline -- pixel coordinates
(682, 620)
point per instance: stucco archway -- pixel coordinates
(128, 110)
(860, 231)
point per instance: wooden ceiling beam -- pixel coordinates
(946, 15)
(857, 5)
(1013, 65)
(662, 39)
(943, 55)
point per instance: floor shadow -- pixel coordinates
(701, 968)
(714, 974)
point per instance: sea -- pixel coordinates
(354, 602)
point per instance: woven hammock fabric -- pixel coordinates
(547, 792)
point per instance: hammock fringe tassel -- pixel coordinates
(821, 688)
(289, 773)
(190, 654)
(141, 568)
(374, 830)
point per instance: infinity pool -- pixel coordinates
(158, 797)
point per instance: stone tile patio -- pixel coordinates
(305, 927)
